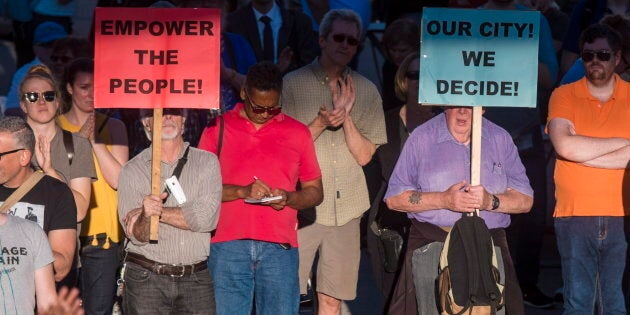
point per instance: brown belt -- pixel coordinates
(166, 269)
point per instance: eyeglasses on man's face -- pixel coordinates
(339, 38)
(33, 97)
(9, 152)
(257, 109)
(602, 55)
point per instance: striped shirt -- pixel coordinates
(201, 182)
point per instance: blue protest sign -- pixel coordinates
(479, 57)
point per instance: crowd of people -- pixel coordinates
(304, 164)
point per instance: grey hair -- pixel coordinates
(21, 131)
(325, 27)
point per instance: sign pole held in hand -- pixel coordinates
(155, 58)
(478, 58)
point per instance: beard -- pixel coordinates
(599, 73)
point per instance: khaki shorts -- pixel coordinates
(339, 257)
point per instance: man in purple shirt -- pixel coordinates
(431, 183)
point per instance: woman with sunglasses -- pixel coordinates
(400, 39)
(398, 127)
(100, 234)
(69, 161)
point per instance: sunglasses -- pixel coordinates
(339, 38)
(262, 109)
(9, 152)
(602, 55)
(412, 75)
(33, 97)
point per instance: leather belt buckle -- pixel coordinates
(181, 274)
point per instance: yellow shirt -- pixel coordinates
(102, 216)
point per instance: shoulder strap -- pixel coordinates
(180, 164)
(21, 191)
(68, 142)
(220, 143)
(103, 124)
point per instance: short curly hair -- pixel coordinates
(264, 76)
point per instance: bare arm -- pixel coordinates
(455, 198)
(577, 148)
(111, 162)
(45, 288)
(81, 188)
(151, 205)
(615, 160)
(173, 216)
(361, 148)
(310, 194)
(344, 96)
(511, 201)
(63, 244)
(461, 198)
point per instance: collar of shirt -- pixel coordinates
(582, 90)
(321, 75)
(147, 154)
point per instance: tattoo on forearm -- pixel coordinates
(415, 198)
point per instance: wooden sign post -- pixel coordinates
(155, 58)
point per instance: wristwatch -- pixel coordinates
(495, 202)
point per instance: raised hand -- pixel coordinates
(343, 93)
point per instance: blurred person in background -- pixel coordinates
(100, 234)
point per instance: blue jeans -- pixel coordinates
(98, 277)
(148, 293)
(249, 270)
(592, 251)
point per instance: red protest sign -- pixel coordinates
(157, 58)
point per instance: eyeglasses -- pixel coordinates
(63, 59)
(9, 152)
(33, 97)
(412, 75)
(602, 55)
(339, 38)
(262, 109)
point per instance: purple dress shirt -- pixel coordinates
(432, 161)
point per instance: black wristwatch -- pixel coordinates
(495, 202)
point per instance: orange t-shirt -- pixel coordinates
(583, 190)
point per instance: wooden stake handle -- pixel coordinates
(475, 155)
(156, 160)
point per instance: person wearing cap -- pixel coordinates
(45, 36)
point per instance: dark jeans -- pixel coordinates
(98, 277)
(148, 293)
(592, 252)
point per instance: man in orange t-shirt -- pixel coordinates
(588, 126)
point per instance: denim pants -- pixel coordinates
(250, 270)
(426, 264)
(592, 251)
(98, 277)
(148, 293)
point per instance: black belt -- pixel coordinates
(166, 269)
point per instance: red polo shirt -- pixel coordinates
(280, 153)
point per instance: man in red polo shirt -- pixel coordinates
(263, 153)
